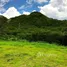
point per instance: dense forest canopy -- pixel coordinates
(34, 27)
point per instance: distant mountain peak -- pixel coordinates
(11, 12)
(37, 13)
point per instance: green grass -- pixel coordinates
(32, 54)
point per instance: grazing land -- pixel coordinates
(32, 54)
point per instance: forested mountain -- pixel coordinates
(34, 27)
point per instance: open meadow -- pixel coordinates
(32, 54)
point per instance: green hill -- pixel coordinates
(34, 27)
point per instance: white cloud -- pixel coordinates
(56, 9)
(27, 5)
(2, 3)
(29, 1)
(26, 13)
(11, 12)
(34, 11)
(22, 7)
(2, 9)
(41, 1)
(38, 1)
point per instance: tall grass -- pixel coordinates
(32, 54)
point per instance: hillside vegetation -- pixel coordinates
(34, 27)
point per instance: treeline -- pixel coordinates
(34, 27)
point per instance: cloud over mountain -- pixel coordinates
(56, 9)
(26, 13)
(11, 12)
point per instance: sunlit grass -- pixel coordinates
(32, 54)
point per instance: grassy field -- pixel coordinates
(32, 54)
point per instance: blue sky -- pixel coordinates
(25, 5)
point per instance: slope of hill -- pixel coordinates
(3, 22)
(35, 27)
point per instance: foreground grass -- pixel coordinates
(32, 54)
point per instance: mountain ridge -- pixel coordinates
(34, 27)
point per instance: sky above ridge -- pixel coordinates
(56, 9)
(22, 5)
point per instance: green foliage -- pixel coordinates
(34, 27)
